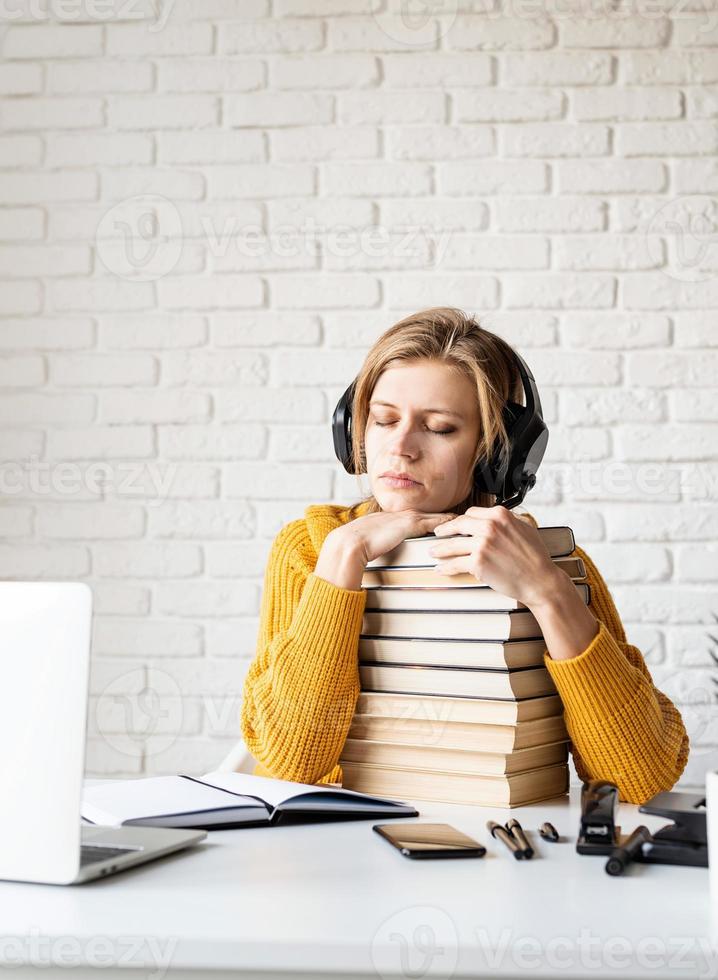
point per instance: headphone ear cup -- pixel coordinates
(489, 475)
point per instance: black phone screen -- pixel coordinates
(430, 840)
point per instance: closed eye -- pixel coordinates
(437, 432)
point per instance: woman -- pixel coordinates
(428, 405)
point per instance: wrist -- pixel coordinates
(556, 588)
(340, 562)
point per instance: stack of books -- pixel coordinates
(456, 704)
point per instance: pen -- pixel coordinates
(623, 855)
(517, 832)
(496, 830)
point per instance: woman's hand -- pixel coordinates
(500, 550)
(374, 534)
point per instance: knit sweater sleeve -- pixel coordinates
(301, 688)
(621, 727)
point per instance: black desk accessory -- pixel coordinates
(598, 833)
(685, 841)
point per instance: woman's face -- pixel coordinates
(406, 433)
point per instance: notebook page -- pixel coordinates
(277, 791)
(117, 800)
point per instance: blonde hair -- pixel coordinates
(450, 336)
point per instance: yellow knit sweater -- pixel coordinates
(302, 686)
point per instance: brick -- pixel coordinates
(117, 185)
(677, 442)
(494, 252)
(678, 67)
(556, 68)
(272, 482)
(20, 297)
(576, 368)
(668, 139)
(439, 142)
(627, 103)
(565, 214)
(153, 560)
(266, 329)
(153, 406)
(611, 177)
(324, 143)
(691, 30)
(495, 33)
(90, 520)
(386, 32)
(101, 442)
(79, 77)
(259, 180)
(607, 32)
(210, 147)
(659, 292)
(52, 41)
(301, 444)
(327, 291)
(429, 69)
(555, 140)
(113, 149)
(176, 40)
(606, 252)
(21, 372)
(211, 441)
(281, 37)
(80, 370)
(694, 329)
(211, 75)
(312, 71)
(154, 331)
(20, 151)
(279, 109)
(37, 408)
(21, 224)
(213, 369)
(204, 520)
(46, 334)
(493, 177)
(423, 291)
(696, 176)
(508, 105)
(667, 369)
(252, 404)
(557, 290)
(437, 214)
(377, 178)
(391, 107)
(20, 79)
(621, 331)
(162, 112)
(205, 598)
(27, 261)
(25, 561)
(36, 187)
(600, 407)
(49, 113)
(219, 292)
(661, 522)
(140, 638)
(693, 406)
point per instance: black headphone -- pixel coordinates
(510, 481)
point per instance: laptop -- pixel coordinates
(44, 687)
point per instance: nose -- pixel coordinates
(403, 440)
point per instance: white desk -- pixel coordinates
(335, 900)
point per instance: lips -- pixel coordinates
(399, 476)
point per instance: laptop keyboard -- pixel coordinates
(89, 853)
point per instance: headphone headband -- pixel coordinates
(526, 429)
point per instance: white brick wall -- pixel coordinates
(205, 220)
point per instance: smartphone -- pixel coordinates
(429, 840)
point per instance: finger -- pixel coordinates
(455, 546)
(454, 566)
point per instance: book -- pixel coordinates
(442, 710)
(447, 598)
(457, 624)
(529, 682)
(491, 654)
(517, 789)
(475, 737)
(414, 552)
(575, 568)
(226, 800)
(439, 759)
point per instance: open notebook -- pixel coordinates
(226, 799)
